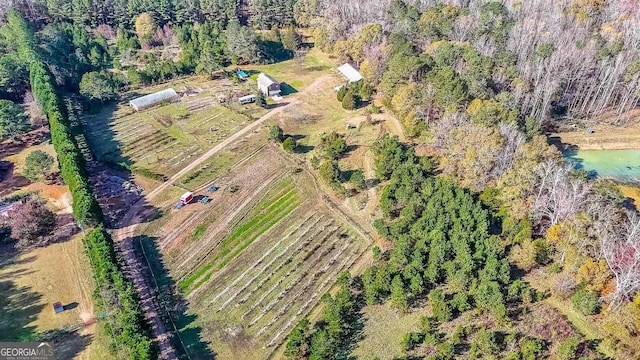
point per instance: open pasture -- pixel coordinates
(167, 137)
(256, 260)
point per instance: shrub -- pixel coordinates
(37, 165)
(585, 301)
(289, 144)
(567, 349)
(341, 93)
(531, 348)
(276, 133)
(411, 340)
(351, 101)
(555, 268)
(357, 179)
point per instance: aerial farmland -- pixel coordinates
(258, 259)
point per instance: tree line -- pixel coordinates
(263, 14)
(555, 60)
(114, 294)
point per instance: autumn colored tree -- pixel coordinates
(31, 221)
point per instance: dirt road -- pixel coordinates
(126, 230)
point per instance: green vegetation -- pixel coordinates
(586, 302)
(332, 334)
(13, 122)
(98, 86)
(270, 211)
(116, 295)
(334, 145)
(85, 208)
(199, 231)
(113, 291)
(37, 165)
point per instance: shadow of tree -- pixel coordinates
(188, 340)
(19, 307)
(67, 344)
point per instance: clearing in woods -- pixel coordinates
(267, 248)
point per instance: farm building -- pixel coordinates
(154, 99)
(351, 73)
(267, 85)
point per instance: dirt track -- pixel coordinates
(126, 230)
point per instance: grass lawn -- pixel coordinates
(19, 158)
(33, 280)
(383, 331)
(297, 73)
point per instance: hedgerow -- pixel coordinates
(114, 294)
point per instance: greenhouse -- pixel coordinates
(154, 99)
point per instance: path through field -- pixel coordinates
(134, 266)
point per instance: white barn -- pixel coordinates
(351, 73)
(154, 99)
(267, 85)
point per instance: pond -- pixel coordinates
(619, 165)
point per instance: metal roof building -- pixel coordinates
(154, 99)
(267, 85)
(350, 73)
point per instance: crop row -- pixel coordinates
(255, 224)
(261, 260)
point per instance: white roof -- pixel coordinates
(152, 99)
(350, 72)
(247, 97)
(265, 80)
(186, 195)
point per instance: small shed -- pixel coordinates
(267, 85)
(154, 99)
(186, 197)
(351, 73)
(57, 307)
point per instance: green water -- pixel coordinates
(620, 165)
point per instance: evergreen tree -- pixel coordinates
(399, 298)
(13, 121)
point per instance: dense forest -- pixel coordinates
(479, 83)
(470, 227)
